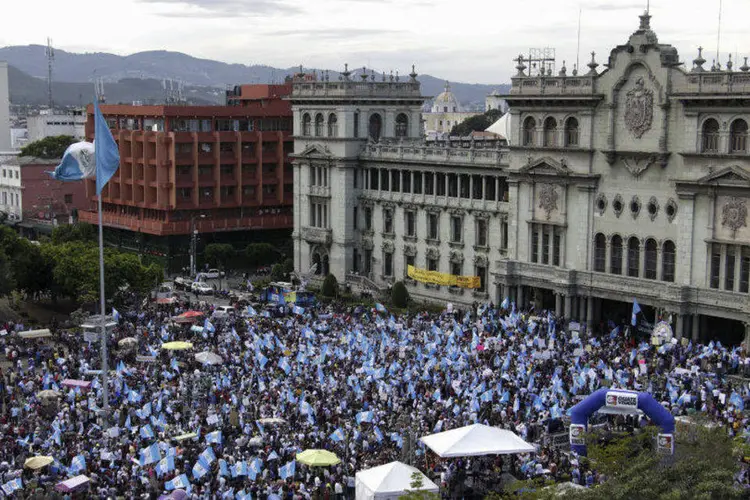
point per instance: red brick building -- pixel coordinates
(225, 169)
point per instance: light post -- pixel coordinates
(194, 243)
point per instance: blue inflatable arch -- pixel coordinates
(620, 399)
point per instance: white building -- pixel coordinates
(50, 124)
(11, 193)
(632, 182)
(445, 113)
(5, 144)
(495, 101)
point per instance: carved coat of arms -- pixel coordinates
(547, 199)
(639, 109)
(734, 215)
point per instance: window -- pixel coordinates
(388, 221)
(600, 253)
(402, 125)
(409, 261)
(432, 226)
(456, 229)
(457, 268)
(355, 260)
(406, 181)
(529, 128)
(481, 233)
(384, 178)
(452, 185)
(489, 188)
(16, 174)
(550, 132)
(417, 185)
(226, 169)
(356, 124)
(504, 235)
(306, 124)
(68, 199)
(395, 181)
(388, 264)
(634, 257)
(333, 127)
(616, 260)
(376, 125)
(571, 132)
(440, 184)
(368, 218)
(368, 261)
(481, 271)
(744, 269)
(668, 261)
(556, 246)
(738, 136)
(729, 264)
(356, 217)
(545, 244)
(429, 183)
(715, 265)
(465, 186)
(185, 193)
(477, 183)
(319, 125)
(534, 244)
(5, 173)
(710, 139)
(650, 260)
(432, 264)
(374, 179)
(410, 222)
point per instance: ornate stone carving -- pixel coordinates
(639, 109)
(652, 207)
(387, 246)
(458, 212)
(432, 253)
(456, 256)
(636, 165)
(389, 205)
(367, 244)
(734, 215)
(409, 206)
(410, 250)
(480, 260)
(671, 209)
(478, 214)
(617, 205)
(600, 205)
(635, 207)
(547, 199)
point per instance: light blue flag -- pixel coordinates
(165, 465)
(147, 432)
(208, 455)
(200, 468)
(78, 464)
(284, 365)
(106, 152)
(223, 468)
(115, 314)
(180, 481)
(208, 326)
(365, 416)
(380, 307)
(378, 434)
(77, 163)
(337, 435)
(287, 470)
(251, 312)
(214, 437)
(150, 455)
(12, 485)
(636, 310)
(273, 456)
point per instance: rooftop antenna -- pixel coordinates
(718, 34)
(50, 52)
(578, 48)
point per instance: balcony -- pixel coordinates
(324, 191)
(317, 235)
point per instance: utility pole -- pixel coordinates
(194, 243)
(50, 59)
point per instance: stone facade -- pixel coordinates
(628, 183)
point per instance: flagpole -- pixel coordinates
(105, 358)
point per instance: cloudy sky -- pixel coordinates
(469, 40)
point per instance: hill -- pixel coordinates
(159, 64)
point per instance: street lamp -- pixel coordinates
(194, 242)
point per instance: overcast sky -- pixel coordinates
(469, 40)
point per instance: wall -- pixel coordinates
(45, 198)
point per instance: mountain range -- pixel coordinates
(139, 76)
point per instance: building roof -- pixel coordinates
(446, 98)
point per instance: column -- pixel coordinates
(558, 305)
(471, 187)
(551, 249)
(722, 266)
(581, 308)
(625, 257)
(519, 296)
(539, 228)
(680, 325)
(567, 306)
(737, 266)
(482, 188)
(608, 257)
(747, 336)
(498, 194)
(590, 313)
(642, 260)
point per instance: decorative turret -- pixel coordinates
(563, 70)
(346, 73)
(520, 66)
(413, 75)
(592, 65)
(699, 61)
(730, 64)
(744, 68)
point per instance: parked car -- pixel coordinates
(181, 283)
(223, 312)
(211, 274)
(201, 288)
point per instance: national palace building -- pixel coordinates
(626, 183)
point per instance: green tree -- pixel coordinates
(476, 123)
(260, 254)
(399, 294)
(277, 273)
(330, 286)
(415, 493)
(32, 270)
(49, 148)
(218, 254)
(79, 231)
(7, 280)
(288, 266)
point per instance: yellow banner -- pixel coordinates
(442, 279)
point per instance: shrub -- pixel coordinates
(399, 294)
(330, 286)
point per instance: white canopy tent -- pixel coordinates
(475, 440)
(388, 482)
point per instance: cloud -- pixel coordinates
(603, 6)
(223, 8)
(331, 33)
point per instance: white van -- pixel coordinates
(223, 312)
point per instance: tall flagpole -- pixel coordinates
(102, 304)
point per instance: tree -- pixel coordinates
(399, 294)
(218, 254)
(260, 254)
(79, 231)
(415, 493)
(476, 123)
(330, 286)
(277, 273)
(49, 148)
(288, 266)
(7, 281)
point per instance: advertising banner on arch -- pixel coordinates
(577, 434)
(622, 400)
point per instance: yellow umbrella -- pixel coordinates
(35, 463)
(177, 346)
(318, 458)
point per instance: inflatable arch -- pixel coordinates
(625, 402)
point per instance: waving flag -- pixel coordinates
(78, 464)
(200, 468)
(365, 416)
(147, 432)
(223, 468)
(106, 152)
(208, 455)
(78, 162)
(115, 314)
(251, 312)
(150, 455)
(12, 485)
(284, 365)
(208, 327)
(214, 437)
(180, 481)
(636, 310)
(165, 465)
(380, 307)
(287, 470)
(337, 435)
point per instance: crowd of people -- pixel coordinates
(364, 384)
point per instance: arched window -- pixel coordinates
(317, 264)
(326, 266)
(667, 261)
(319, 125)
(550, 132)
(615, 262)
(710, 136)
(402, 125)
(306, 123)
(650, 257)
(738, 136)
(376, 125)
(529, 129)
(571, 132)
(333, 125)
(634, 257)
(600, 253)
